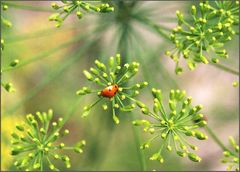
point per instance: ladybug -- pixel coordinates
(109, 91)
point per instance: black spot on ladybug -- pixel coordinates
(109, 89)
(115, 86)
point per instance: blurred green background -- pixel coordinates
(50, 72)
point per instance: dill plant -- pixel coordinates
(231, 157)
(113, 75)
(69, 7)
(200, 39)
(8, 86)
(173, 126)
(36, 141)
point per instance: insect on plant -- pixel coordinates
(112, 80)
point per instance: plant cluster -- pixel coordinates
(36, 142)
(112, 79)
(212, 25)
(8, 86)
(231, 157)
(200, 39)
(69, 7)
(174, 125)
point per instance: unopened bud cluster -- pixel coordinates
(37, 141)
(79, 7)
(172, 126)
(5, 21)
(8, 86)
(112, 79)
(231, 157)
(202, 39)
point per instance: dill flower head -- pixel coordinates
(202, 38)
(36, 142)
(231, 157)
(112, 80)
(173, 125)
(79, 7)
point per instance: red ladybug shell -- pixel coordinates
(109, 91)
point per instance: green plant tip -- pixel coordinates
(35, 139)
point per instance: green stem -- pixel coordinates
(123, 47)
(45, 53)
(28, 7)
(137, 138)
(161, 30)
(216, 139)
(225, 68)
(53, 75)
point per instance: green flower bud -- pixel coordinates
(144, 146)
(155, 156)
(193, 10)
(201, 136)
(235, 84)
(115, 119)
(14, 63)
(182, 154)
(54, 17)
(169, 148)
(20, 127)
(145, 110)
(79, 14)
(4, 7)
(88, 75)
(193, 157)
(140, 104)
(54, 6)
(204, 59)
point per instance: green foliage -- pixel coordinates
(5, 21)
(107, 77)
(8, 86)
(231, 157)
(69, 7)
(36, 141)
(198, 38)
(208, 31)
(173, 126)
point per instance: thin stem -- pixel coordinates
(161, 30)
(54, 74)
(217, 140)
(28, 7)
(137, 141)
(225, 68)
(45, 53)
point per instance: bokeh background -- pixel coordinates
(50, 72)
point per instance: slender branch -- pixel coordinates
(137, 141)
(122, 47)
(53, 75)
(161, 30)
(28, 7)
(225, 68)
(217, 140)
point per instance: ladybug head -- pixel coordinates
(115, 86)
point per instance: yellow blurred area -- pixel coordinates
(8, 126)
